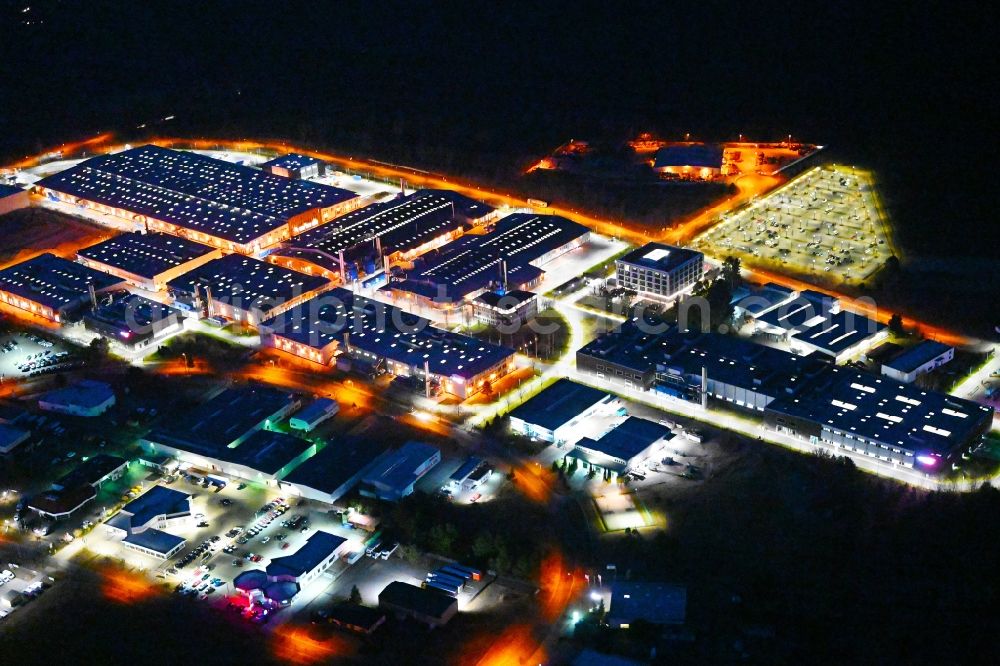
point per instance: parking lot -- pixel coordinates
(29, 355)
(825, 223)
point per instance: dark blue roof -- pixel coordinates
(157, 501)
(222, 199)
(145, 255)
(53, 281)
(558, 404)
(882, 409)
(658, 603)
(396, 470)
(338, 466)
(9, 190)
(319, 546)
(660, 257)
(291, 161)
(473, 262)
(251, 282)
(693, 155)
(266, 451)
(132, 314)
(466, 468)
(155, 540)
(918, 355)
(630, 438)
(387, 332)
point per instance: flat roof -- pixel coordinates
(510, 300)
(9, 190)
(56, 502)
(292, 161)
(658, 603)
(216, 423)
(417, 599)
(318, 547)
(890, 412)
(697, 155)
(402, 224)
(157, 501)
(660, 257)
(397, 469)
(337, 464)
(132, 314)
(628, 439)
(315, 409)
(53, 281)
(727, 358)
(473, 262)
(250, 282)
(355, 615)
(465, 469)
(91, 471)
(266, 451)
(86, 393)
(155, 540)
(145, 255)
(10, 437)
(385, 331)
(222, 199)
(918, 355)
(558, 404)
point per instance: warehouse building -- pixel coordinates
(393, 232)
(622, 449)
(510, 257)
(11, 438)
(340, 322)
(395, 474)
(232, 207)
(142, 524)
(76, 489)
(409, 601)
(813, 322)
(555, 414)
(13, 197)
(335, 470)
(655, 603)
(917, 360)
(147, 261)
(659, 270)
(86, 397)
(52, 287)
(316, 412)
(689, 160)
(243, 289)
(295, 165)
(692, 365)
(881, 417)
(133, 321)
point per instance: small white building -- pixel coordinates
(917, 360)
(316, 412)
(85, 398)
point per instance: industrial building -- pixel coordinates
(692, 365)
(285, 576)
(12, 197)
(509, 257)
(86, 397)
(917, 360)
(880, 417)
(554, 414)
(142, 524)
(243, 289)
(74, 490)
(623, 448)
(295, 165)
(690, 160)
(394, 475)
(409, 601)
(11, 438)
(813, 323)
(52, 287)
(659, 270)
(147, 261)
(505, 310)
(655, 603)
(335, 470)
(365, 241)
(133, 321)
(316, 412)
(228, 418)
(229, 206)
(340, 322)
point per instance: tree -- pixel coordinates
(896, 325)
(731, 272)
(355, 597)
